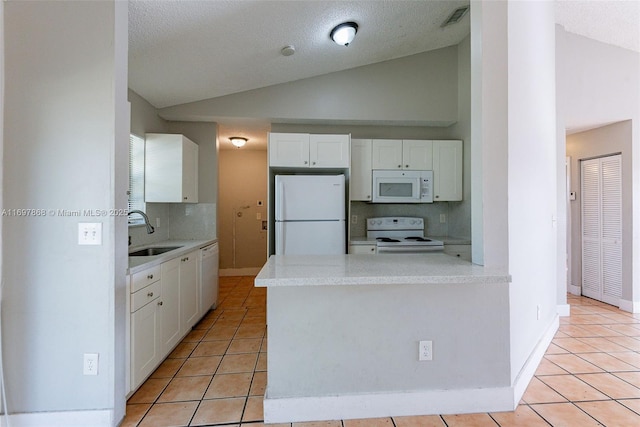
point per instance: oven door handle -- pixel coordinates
(409, 249)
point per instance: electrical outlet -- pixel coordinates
(354, 219)
(90, 366)
(90, 233)
(425, 350)
(443, 218)
(157, 222)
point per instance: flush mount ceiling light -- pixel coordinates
(238, 141)
(344, 33)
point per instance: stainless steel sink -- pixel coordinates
(153, 251)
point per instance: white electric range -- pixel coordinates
(401, 235)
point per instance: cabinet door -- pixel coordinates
(447, 171)
(387, 154)
(329, 151)
(171, 169)
(417, 154)
(145, 345)
(170, 305)
(360, 186)
(289, 149)
(362, 249)
(189, 172)
(188, 291)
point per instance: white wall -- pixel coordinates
(64, 68)
(531, 174)
(419, 89)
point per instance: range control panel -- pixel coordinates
(395, 223)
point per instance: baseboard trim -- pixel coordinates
(301, 409)
(629, 306)
(249, 271)
(574, 290)
(531, 365)
(564, 310)
(97, 418)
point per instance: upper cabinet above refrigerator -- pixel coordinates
(303, 150)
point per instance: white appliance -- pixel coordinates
(208, 277)
(402, 186)
(310, 214)
(401, 235)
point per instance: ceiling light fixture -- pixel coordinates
(344, 33)
(238, 141)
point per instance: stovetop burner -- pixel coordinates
(417, 239)
(387, 239)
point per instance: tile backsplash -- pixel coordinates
(430, 212)
(178, 221)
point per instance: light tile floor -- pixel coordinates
(217, 375)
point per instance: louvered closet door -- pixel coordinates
(602, 229)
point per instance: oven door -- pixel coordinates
(405, 249)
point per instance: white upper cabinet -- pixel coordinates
(387, 154)
(171, 169)
(447, 171)
(408, 154)
(360, 186)
(289, 149)
(302, 150)
(417, 155)
(329, 151)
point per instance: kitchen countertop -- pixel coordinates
(447, 240)
(391, 269)
(139, 263)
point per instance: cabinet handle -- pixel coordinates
(305, 162)
(150, 276)
(150, 294)
(368, 197)
(159, 302)
(185, 259)
(406, 166)
(437, 197)
(313, 163)
(373, 249)
(185, 197)
(400, 166)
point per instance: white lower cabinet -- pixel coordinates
(189, 302)
(145, 343)
(164, 305)
(170, 305)
(460, 251)
(362, 249)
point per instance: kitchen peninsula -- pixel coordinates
(344, 334)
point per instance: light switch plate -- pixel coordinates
(90, 233)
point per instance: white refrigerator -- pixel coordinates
(310, 214)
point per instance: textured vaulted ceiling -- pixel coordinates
(183, 51)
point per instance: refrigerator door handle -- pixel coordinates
(280, 200)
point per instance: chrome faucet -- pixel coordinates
(150, 228)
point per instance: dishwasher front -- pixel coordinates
(208, 277)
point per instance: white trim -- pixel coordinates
(629, 306)
(574, 290)
(97, 418)
(529, 369)
(564, 310)
(427, 402)
(300, 409)
(248, 271)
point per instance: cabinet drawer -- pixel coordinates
(144, 296)
(144, 278)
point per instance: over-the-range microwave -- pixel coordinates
(402, 186)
